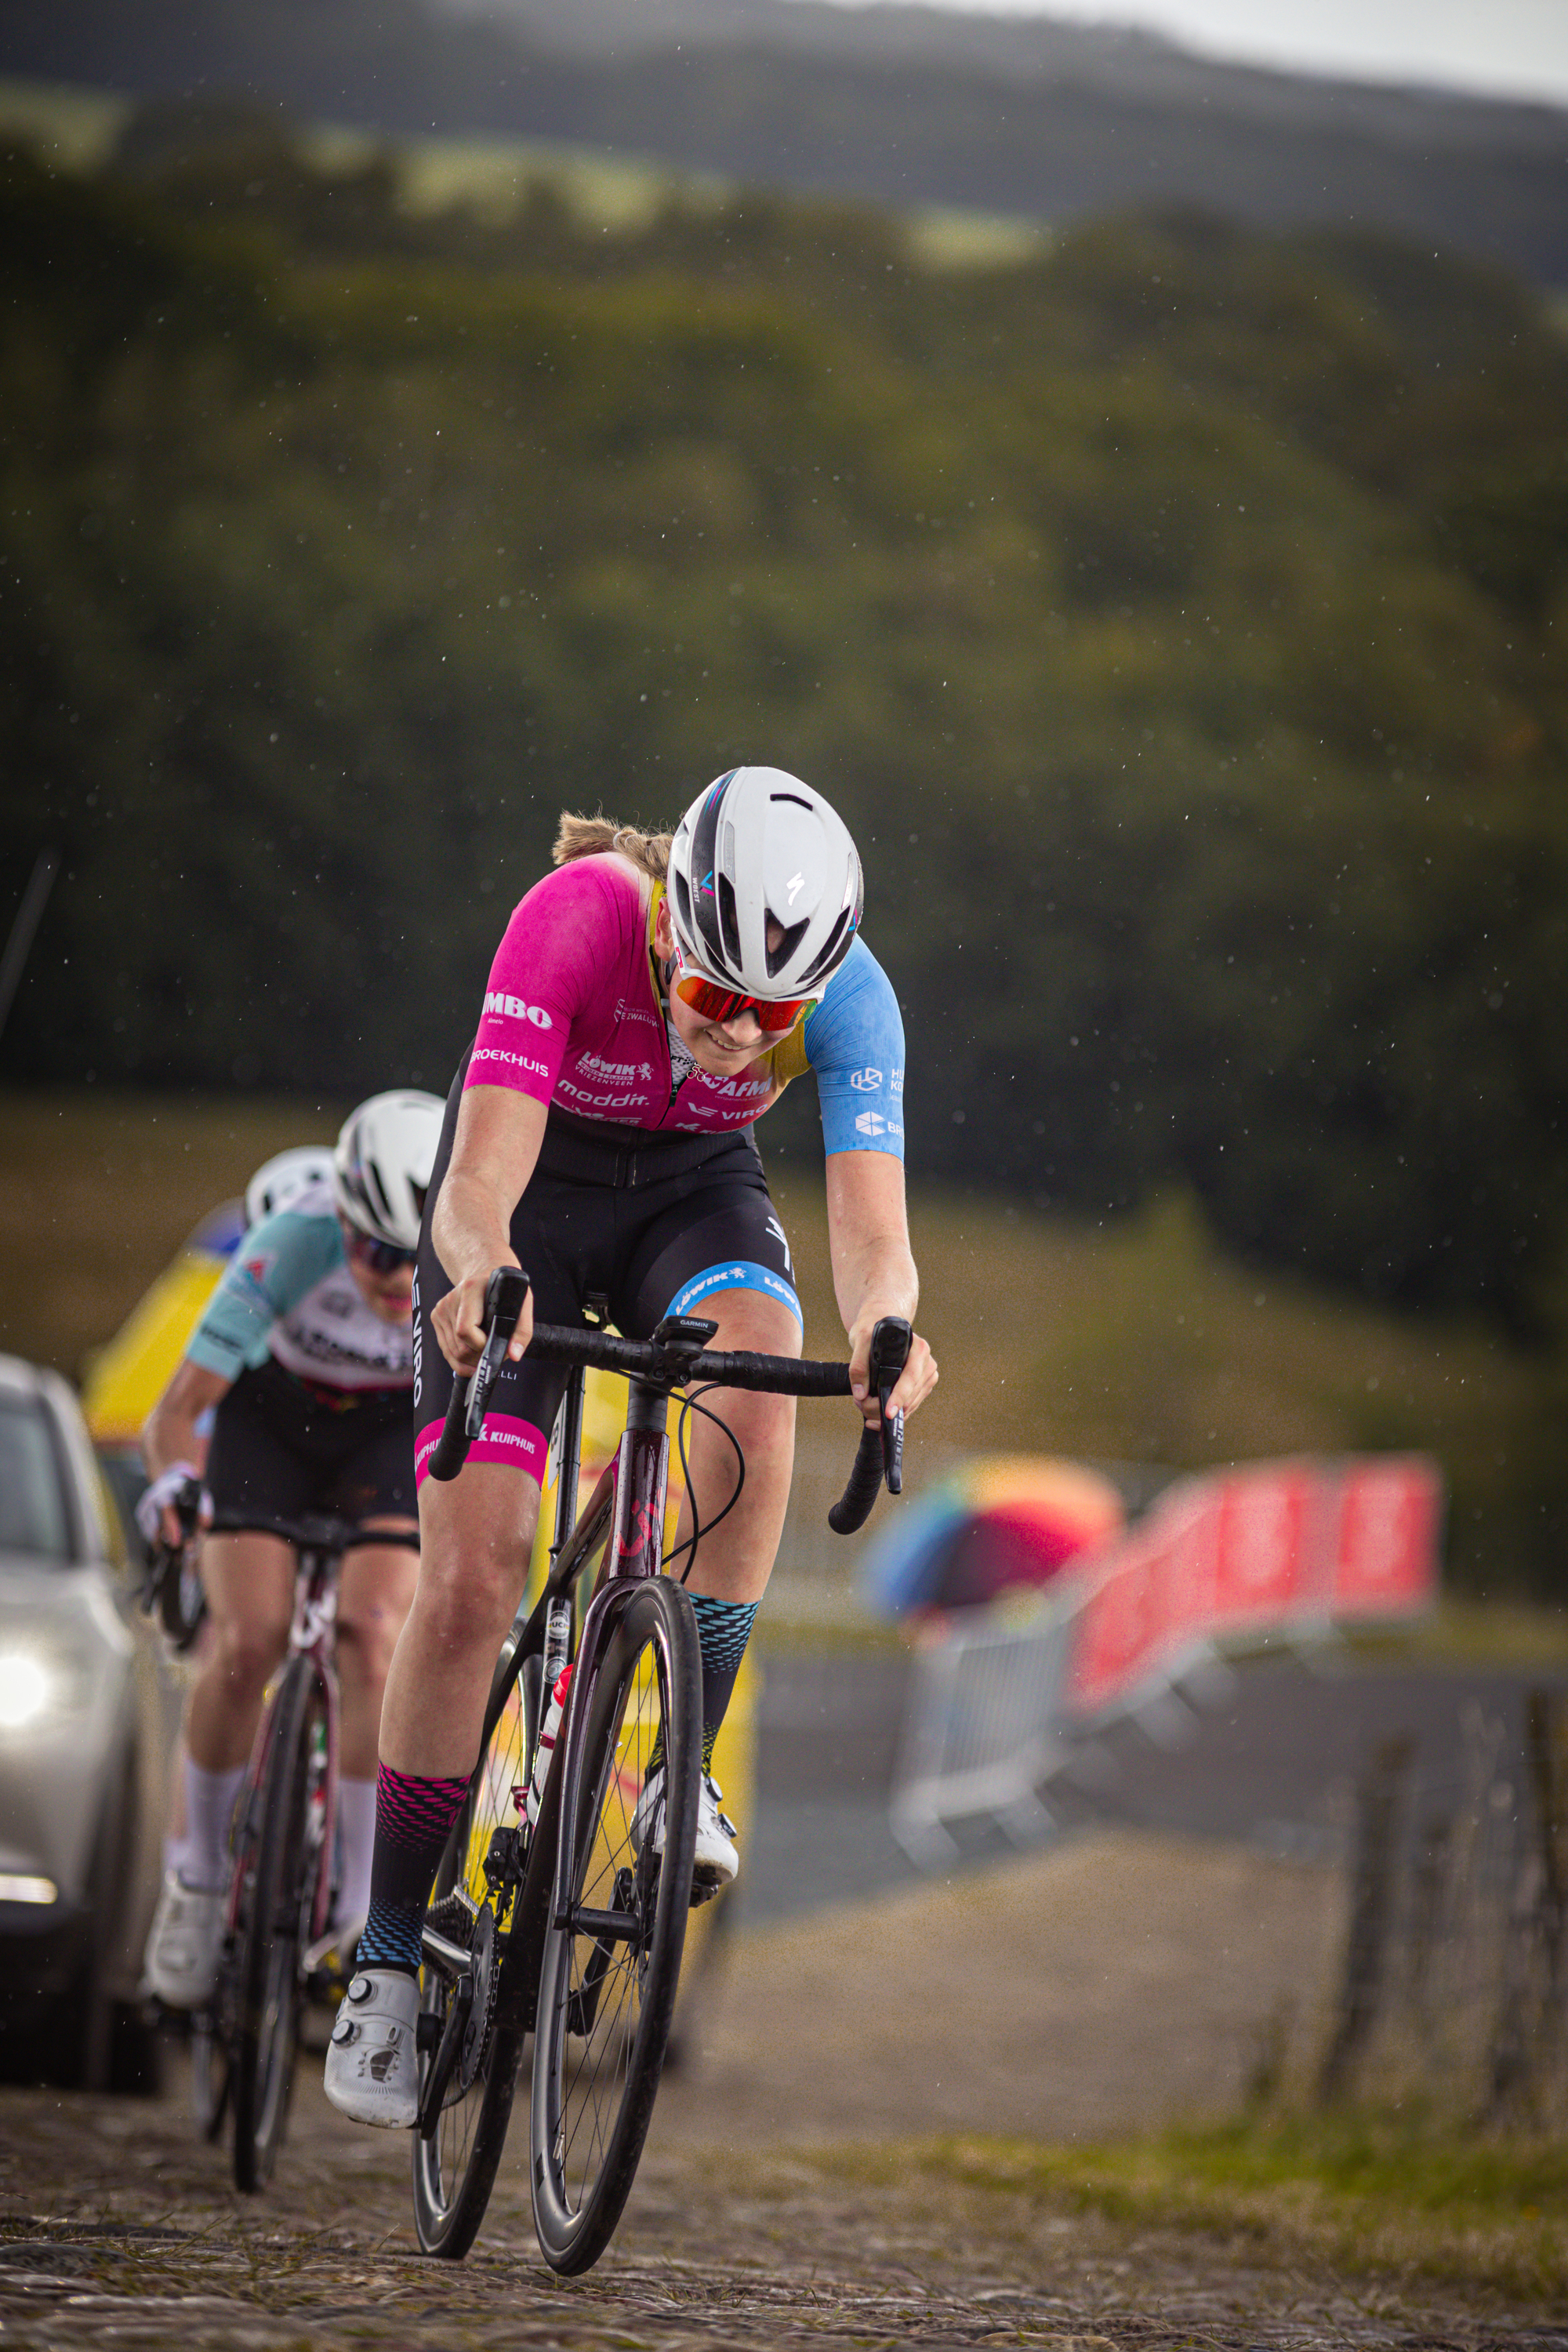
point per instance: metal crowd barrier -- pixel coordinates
(1264, 1550)
(982, 1728)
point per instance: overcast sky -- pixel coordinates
(1519, 48)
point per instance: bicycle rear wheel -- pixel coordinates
(610, 1968)
(455, 2164)
(275, 1923)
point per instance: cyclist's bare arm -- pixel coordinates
(874, 1270)
(169, 1434)
(494, 1152)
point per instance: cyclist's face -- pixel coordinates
(719, 1047)
(389, 1295)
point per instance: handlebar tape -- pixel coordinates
(881, 1451)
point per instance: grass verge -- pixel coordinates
(1368, 2192)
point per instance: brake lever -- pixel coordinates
(891, 1343)
(504, 1295)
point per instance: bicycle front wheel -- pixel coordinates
(611, 1962)
(455, 2163)
(275, 1923)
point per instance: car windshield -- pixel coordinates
(32, 1506)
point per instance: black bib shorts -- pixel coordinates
(667, 1221)
(280, 1448)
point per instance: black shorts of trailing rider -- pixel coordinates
(282, 1446)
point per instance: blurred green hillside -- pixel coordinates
(1177, 615)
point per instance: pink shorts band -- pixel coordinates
(505, 1439)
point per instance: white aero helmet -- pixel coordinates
(381, 1169)
(281, 1179)
(759, 844)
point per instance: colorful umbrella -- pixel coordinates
(999, 1522)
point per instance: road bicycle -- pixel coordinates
(550, 1914)
(277, 1951)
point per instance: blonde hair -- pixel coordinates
(592, 836)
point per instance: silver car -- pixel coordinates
(85, 1725)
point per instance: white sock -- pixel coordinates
(356, 1824)
(177, 1857)
(210, 1799)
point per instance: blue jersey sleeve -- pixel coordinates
(277, 1262)
(855, 1045)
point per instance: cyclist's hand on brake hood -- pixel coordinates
(457, 1321)
(916, 1381)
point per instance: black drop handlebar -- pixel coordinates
(676, 1357)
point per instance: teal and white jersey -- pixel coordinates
(287, 1292)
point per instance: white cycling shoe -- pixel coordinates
(373, 2059)
(716, 1860)
(180, 1965)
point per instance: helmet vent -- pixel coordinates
(381, 1195)
(729, 923)
(826, 959)
(780, 955)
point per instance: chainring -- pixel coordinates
(484, 1960)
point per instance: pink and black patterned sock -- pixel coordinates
(413, 1820)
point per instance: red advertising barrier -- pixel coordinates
(1386, 1533)
(1278, 1547)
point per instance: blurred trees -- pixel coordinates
(1177, 619)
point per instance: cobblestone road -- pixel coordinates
(116, 2230)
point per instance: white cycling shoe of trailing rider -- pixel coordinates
(180, 1965)
(373, 2059)
(716, 1860)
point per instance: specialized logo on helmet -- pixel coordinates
(512, 1008)
(797, 882)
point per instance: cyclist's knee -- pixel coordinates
(470, 1593)
(366, 1640)
(764, 1425)
(247, 1649)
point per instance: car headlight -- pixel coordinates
(19, 1887)
(26, 1689)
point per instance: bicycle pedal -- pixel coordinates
(316, 1956)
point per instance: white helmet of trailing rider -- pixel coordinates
(759, 844)
(381, 1169)
(281, 1179)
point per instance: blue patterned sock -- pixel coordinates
(412, 1817)
(723, 1629)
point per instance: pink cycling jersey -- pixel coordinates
(571, 1016)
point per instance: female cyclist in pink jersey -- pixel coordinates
(650, 999)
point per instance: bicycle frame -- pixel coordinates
(630, 1498)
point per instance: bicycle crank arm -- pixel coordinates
(443, 2064)
(453, 1959)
